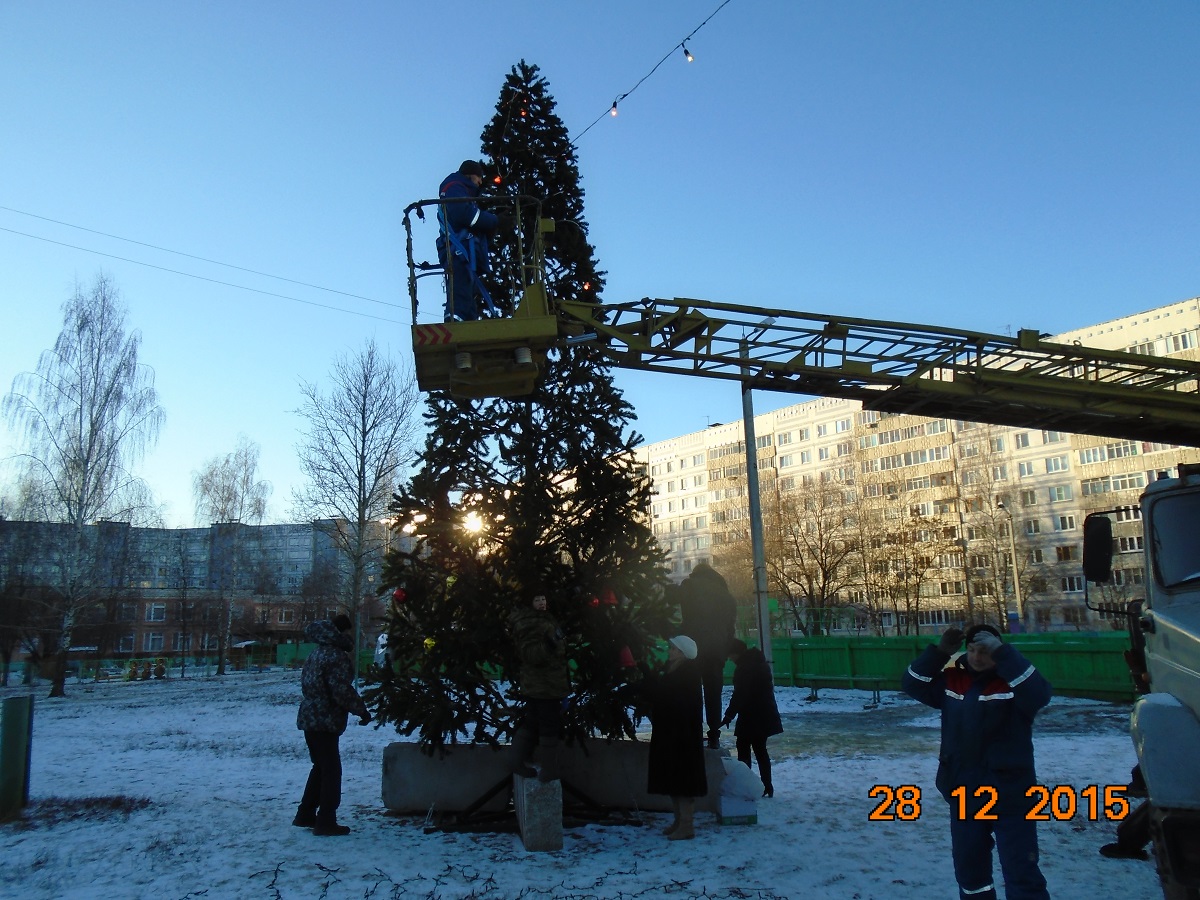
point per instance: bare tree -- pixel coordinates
(87, 413)
(230, 495)
(227, 488)
(356, 440)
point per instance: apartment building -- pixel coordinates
(171, 592)
(975, 497)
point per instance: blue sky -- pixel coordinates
(981, 166)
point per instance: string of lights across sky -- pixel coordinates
(682, 45)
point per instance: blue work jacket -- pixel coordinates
(987, 725)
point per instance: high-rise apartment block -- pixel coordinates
(900, 521)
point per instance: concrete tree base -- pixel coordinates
(612, 773)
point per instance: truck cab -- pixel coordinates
(1165, 659)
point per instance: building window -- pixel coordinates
(1064, 523)
(1033, 526)
(1035, 555)
(1025, 469)
(785, 461)
(156, 612)
(1134, 544)
(152, 642)
(1066, 552)
(1060, 493)
(1056, 464)
(785, 438)
(1021, 440)
(125, 643)
(1028, 498)
(1072, 584)
(181, 641)
(1075, 615)
(1134, 576)
(1053, 437)
(951, 588)
(1185, 341)
(286, 617)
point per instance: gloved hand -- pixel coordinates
(987, 641)
(951, 641)
(364, 719)
(504, 222)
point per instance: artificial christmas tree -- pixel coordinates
(537, 494)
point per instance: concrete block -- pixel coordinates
(413, 782)
(612, 773)
(538, 806)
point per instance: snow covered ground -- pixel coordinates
(186, 788)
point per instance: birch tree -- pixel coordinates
(357, 438)
(87, 414)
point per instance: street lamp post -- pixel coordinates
(1012, 544)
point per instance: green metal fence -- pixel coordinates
(1079, 665)
(288, 655)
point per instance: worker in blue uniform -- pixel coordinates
(988, 700)
(462, 242)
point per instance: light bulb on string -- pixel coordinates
(688, 54)
(613, 112)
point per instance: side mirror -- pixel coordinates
(1097, 548)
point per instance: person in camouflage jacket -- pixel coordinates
(544, 681)
(327, 683)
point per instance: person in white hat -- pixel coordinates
(676, 764)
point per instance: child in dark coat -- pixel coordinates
(753, 703)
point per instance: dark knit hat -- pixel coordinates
(470, 167)
(342, 622)
(983, 626)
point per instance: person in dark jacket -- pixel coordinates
(676, 763)
(709, 615)
(462, 242)
(327, 682)
(753, 703)
(988, 699)
(544, 681)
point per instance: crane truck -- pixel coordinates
(909, 368)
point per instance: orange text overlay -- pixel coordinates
(1060, 802)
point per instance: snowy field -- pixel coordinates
(185, 789)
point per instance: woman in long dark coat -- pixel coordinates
(753, 702)
(676, 766)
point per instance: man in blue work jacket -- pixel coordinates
(462, 242)
(988, 699)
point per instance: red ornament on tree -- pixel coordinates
(399, 595)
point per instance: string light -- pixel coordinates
(681, 45)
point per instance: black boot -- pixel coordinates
(523, 743)
(549, 750)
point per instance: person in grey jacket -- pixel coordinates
(329, 697)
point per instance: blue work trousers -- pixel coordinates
(1015, 840)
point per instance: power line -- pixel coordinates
(215, 262)
(240, 287)
(682, 45)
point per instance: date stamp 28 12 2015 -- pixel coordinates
(1061, 802)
